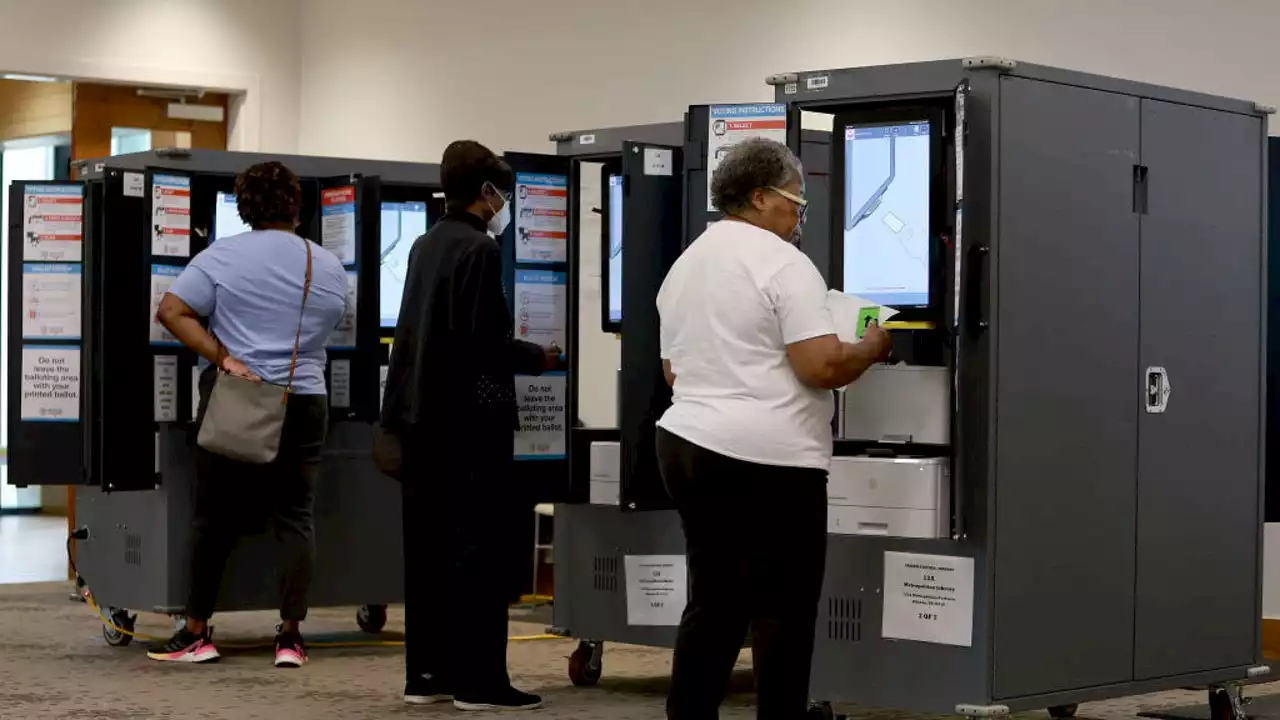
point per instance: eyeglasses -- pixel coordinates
(802, 205)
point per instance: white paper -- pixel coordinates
(845, 311)
(195, 389)
(542, 218)
(382, 385)
(171, 215)
(52, 223)
(162, 277)
(731, 124)
(166, 388)
(50, 300)
(50, 383)
(135, 184)
(541, 307)
(657, 589)
(338, 222)
(344, 336)
(928, 598)
(541, 402)
(340, 383)
(659, 161)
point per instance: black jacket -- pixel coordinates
(454, 361)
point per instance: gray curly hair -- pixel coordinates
(748, 166)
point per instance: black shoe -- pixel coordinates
(507, 698)
(186, 647)
(427, 690)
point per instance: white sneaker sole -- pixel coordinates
(486, 707)
(188, 658)
(427, 699)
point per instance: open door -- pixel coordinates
(540, 266)
(349, 227)
(651, 220)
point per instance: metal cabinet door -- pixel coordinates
(1199, 521)
(1065, 332)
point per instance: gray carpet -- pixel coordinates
(54, 665)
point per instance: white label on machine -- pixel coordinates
(659, 161)
(586, 139)
(135, 185)
(382, 385)
(166, 388)
(50, 383)
(195, 389)
(657, 589)
(340, 383)
(928, 598)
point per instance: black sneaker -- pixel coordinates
(186, 647)
(426, 690)
(291, 652)
(507, 698)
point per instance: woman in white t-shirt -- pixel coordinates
(750, 350)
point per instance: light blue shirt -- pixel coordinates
(250, 288)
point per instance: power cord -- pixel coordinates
(86, 594)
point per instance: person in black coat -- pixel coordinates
(450, 399)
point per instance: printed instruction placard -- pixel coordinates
(50, 383)
(928, 598)
(731, 124)
(343, 337)
(50, 301)
(542, 218)
(657, 589)
(162, 277)
(165, 386)
(52, 223)
(171, 215)
(541, 402)
(338, 222)
(541, 307)
(340, 383)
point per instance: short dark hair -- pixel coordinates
(750, 165)
(268, 194)
(466, 167)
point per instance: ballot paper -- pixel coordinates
(852, 313)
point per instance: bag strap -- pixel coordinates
(297, 338)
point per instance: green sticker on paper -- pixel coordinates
(866, 316)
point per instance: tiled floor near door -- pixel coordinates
(33, 548)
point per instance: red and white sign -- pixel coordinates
(542, 218)
(338, 222)
(52, 223)
(171, 215)
(731, 124)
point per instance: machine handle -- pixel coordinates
(973, 311)
(1156, 389)
(873, 528)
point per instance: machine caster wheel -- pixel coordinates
(1062, 712)
(372, 618)
(586, 663)
(820, 711)
(1225, 703)
(121, 619)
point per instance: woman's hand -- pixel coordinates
(232, 366)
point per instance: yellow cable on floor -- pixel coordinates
(88, 598)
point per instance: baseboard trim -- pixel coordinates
(22, 511)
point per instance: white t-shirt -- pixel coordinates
(730, 306)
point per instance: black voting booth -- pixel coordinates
(127, 441)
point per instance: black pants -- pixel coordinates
(460, 560)
(234, 499)
(756, 542)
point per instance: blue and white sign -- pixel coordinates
(343, 337)
(731, 124)
(162, 277)
(50, 383)
(338, 222)
(50, 301)
(540, 307)
(171, 215)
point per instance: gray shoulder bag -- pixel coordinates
(244, 418)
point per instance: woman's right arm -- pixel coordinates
(191, 297)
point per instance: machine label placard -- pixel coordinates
(338, 222)
(343, 337)
(731, 124)
(542, 218)
(541, 401)
(657, 589)
(52, 222)
(50, 383)
(171, 215)
(928, 598)
(165, 388)
(50, 300)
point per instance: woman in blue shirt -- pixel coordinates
(250, 288)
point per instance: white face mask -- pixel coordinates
(501, 218)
